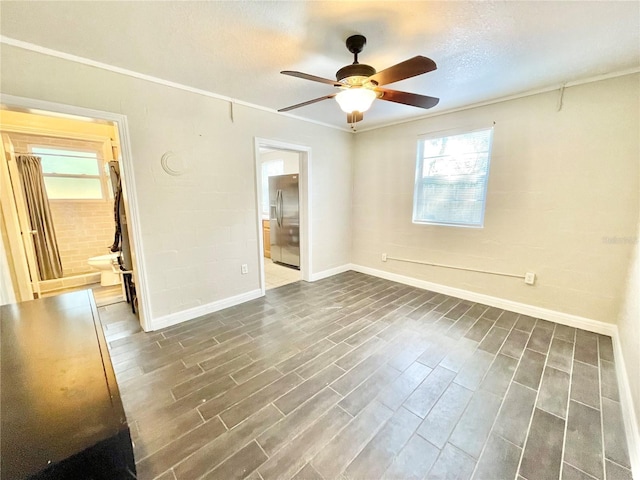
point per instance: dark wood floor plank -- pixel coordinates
(586, 350)
(474, 426)
(208, 456)
(529, 371)
(301, 449)
(543, 451)
(585, 384)
(414, 460)
(344, 447)
(443, 417)
(179, 449)
(323, 360)
(394, 395)
(237, 393)
(471, 374)
(307, 389)
(359, 353)
(428, 392)
(240, 464)
(295, 361)
(452, 463)
(499, 460)
(358, 374)
(515, 414)
(153, 438)
(583, 442)
(354, 376)
(308, 473)
(184, 388)
(259, 366)
(159, 414)
(251, 404)
(362, 395)
(379, 453)
(297, 421)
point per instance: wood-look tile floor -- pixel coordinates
(118, 320)
(354, 377)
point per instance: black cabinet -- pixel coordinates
(61, 412)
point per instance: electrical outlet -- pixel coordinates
(530, 278)
(244, 269)
(384, 257)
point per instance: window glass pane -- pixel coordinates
(69, 162)
(73, 188)
(451, 179)
(269, 169)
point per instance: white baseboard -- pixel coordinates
(330, 272)
(631, 426)
(596, 326)
(195, 312)
(523, 308)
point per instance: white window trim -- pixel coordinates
(102, 176)
(419, 164)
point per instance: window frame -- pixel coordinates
(419, 166)
(102, 175)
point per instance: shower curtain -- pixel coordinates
(35, 195)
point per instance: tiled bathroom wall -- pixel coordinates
(84, 228)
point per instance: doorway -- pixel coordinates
(87, 220)
(282, 187)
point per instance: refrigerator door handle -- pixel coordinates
(278, 207)
(281, 208)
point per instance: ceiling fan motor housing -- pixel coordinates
(355, 70)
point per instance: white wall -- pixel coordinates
(289, 159)
(200, 227)
(629, 326)
(560, 183)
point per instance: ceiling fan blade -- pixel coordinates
(413, 99)
(407, 69)
(354, 117)
(308, 102)
(313, 78)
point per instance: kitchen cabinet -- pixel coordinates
(266, 233)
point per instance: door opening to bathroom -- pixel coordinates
(64, 216)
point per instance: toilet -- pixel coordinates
(109, 268)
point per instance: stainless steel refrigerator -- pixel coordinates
(284, 216)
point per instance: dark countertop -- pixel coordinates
(58, 389)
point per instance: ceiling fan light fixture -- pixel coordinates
(356, 99)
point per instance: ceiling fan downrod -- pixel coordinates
(359, 71)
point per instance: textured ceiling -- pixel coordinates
(484, 50)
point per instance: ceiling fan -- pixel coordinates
(360, 84)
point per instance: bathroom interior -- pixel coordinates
(275, 162)
(78, 240)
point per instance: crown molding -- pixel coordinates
(150, 78)
(527, 93)
(160, 81)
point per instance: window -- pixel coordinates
(71, 174)
(269, 169)
(451, 179)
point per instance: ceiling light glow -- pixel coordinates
(355, 99)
